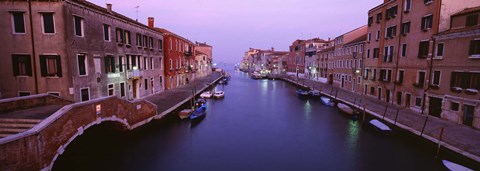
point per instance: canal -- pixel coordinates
(259, 125)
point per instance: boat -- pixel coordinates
(454, 166)
(314, 93)
(302, 93)
(347, 109)
(206, 94)
(201, 109)
(219, 94)
(185, 113)
(223, 82)
(380, 126)
(256, 75)
(326, 101)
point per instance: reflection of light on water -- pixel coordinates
(264, 85)
(352, 138)
(308, 110)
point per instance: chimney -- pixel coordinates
(273, 49)
(150, 22)
(109, 8)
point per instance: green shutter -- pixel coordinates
(43, 65)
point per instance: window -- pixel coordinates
(372, 91)
(376, 52)
(391, 32)
(370, 20)
(151, 42)
(18, 22)
(436, 77)
(423, 49)
(127, 58)
(160, 44)
(82, 64)
(465, 80)
(374, 73)
(109, 64)
(400, 76)
(420, 79)
(405, 28)
(408, 5)
(391, 12)
(120, 63)
(379, 17)
(454, 106)
(427, 22)
(85, 94)
(369, 37)
(378, 35)
(22, 65)
(106, 32)
(111, 90)
(78, 22)
(23, 93)
(474, 48)
(145, 60)
(122, 89)
(427, 1)
(404, 50)
(171, 45)
(133, 60)
(138, 40)
(120, 36)
(399, 98)
(151, 63)
(472, 20)
(50, 66)
(171, 64)
(146, 84)
(145, 41)
(418, 101)
(440, 49)
(368, 53)
(388, 54)
(48, 23)
(127, 37)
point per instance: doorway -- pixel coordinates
(468, 112)
(135, 88)
(387, 96)
(435, 106)
(330, 79)
(379, 93)
(353, 84)
(343, 81)
(407, 100)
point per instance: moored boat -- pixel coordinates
(380, 126)
(302, 93)
(347, 109)
(219, 94)
(326, 101)
(185, 113)
(314, 93)
(454, 166)
(201, 109)
(206, 94)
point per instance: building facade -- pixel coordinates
(77, 50)
(203, 58)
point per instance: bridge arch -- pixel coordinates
(117, 122)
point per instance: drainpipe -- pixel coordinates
(34, 56)
(429, 76)
(399, 53)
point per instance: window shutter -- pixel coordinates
(43, 65)
(423, 23)
(112, 63)
(471, 51)
(16, 71)
(106, 63)
(59, 66)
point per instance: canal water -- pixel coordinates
(259, 125)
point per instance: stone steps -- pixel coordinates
(11, 126)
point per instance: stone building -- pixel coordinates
(77, 50)
(203, 57)
(323, 63)
(346, 64)
(399, 48)
(455, 74)
(312, 46)
(178, 56)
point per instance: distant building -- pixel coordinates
(77, 50)
(258, 60)
(203, 57)
(345, 69)
(455, 74)
(323, 61)
(312, 46)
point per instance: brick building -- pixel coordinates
(77, 50)
(203, 57)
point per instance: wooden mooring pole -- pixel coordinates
(364, 112)
(396, 116)
(424, 124)
(439, 142)
(385, 113)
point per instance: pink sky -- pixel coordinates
(232, 26)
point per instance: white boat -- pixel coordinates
(454, 166)
(326, 101)
(314, 93)
(219, 94)
(379, 125)
(185, 113)
(206, 94)
(345, 108)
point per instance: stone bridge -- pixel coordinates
(39, 147)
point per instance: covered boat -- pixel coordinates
(454, 166)
(380, 126)
(302, 93)
(219, 94)
(326, 101)
(206, 94)
(201, 109)
(347, 109)
(314, 93)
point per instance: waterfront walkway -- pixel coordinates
(457, 137)
(169, 100)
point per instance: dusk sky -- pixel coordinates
(232, 26)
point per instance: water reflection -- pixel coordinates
(308, 110)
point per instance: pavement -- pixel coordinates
(460, 138)
(168, 99)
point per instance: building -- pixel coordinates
(261, 61)
(346, 63)
(323, 62)
(312, 46)
(455, 74)
(203, 57)
(178, 56)
(77, 50)
(399, 47)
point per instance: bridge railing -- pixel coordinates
(19, 103)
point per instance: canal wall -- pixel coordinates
(455, 145)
